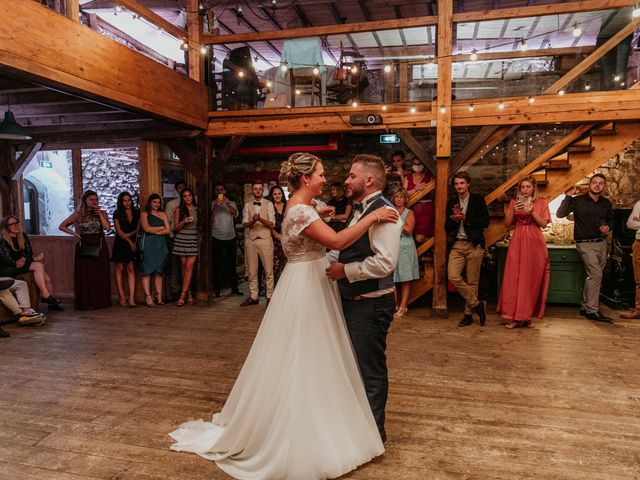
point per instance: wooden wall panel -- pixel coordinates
(47, 45)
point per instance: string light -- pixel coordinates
(203, 50)
(241, 74)
(117, 10)
(316, 69)
(387, 68)
(354, 104)
(354, 69)
(284, 67)
(184, 45)
(561, 92)
(443, 109)
(472, 107)
(413, 109)
(587, 87)
(531, 99)
(384, 108)
(616, 78)
(269, 84)
(474, 55)
(523, 45)
(501, 105)
(577, 31)
(298, 91)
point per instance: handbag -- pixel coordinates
(90, 251)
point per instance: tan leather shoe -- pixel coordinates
(634, 315)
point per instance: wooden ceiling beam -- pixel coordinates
(34, 122)
(75, 108)
(543, 52)
(321, 31)
(154, 18)
(23, 160)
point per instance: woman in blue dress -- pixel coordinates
(408, 268)
(155, 224)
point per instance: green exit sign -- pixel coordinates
(389, 138)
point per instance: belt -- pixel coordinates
(359, 298)
(591, 240)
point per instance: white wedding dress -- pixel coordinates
(298, 409)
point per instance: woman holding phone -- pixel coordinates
(526, 273)
(185, 241)
(92, 279)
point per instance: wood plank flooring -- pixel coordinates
(92, 395)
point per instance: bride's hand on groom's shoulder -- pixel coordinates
(326, 212)
(335, 271)
(386, 215)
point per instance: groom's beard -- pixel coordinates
(355, 193)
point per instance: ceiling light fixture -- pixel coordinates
(577, 31)
(10, 129)
(474, 55)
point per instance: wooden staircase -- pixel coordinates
(574, 157)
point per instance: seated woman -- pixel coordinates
(16, 257)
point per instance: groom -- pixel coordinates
(364, 272)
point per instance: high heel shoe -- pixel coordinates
(159, 300)
(148, 299)
(514, 324)
(123, 302)
(182, 299)
(401, 312)
(189, 298)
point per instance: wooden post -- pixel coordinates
(443, 154)
(76, 176)
(204, 155)
(403, 72)
(72, 9)
(194, 28)
(150, 181)
(390, 85)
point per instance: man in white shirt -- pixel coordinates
(175, 274)
(364, 272)
(223, 239)
(633, 223)
(258, 218)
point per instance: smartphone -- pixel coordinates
(520, 198)
(220, 197)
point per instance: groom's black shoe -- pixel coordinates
(466, 321)
(249, 301)
(480, 309)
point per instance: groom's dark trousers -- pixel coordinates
(368, 321)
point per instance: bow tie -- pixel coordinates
(257, 203)
(358, 207)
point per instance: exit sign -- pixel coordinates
(389, 138)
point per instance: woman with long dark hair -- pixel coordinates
(126, 220)
(155, 224)
(277, 197)
(16, 258)
(92, 279)
(342, 205)
(185, 241)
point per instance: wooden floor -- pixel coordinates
(93, 395)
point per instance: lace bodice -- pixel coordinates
(297, 247)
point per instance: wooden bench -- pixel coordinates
(34, 297)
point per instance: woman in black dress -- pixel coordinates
(276, 195)
(92, 275)
(342, 205)
(126, 219)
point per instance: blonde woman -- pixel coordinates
(298, 408)
(526, 273)
(16, 257)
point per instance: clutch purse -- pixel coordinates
(90, 251)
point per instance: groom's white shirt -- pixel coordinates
(384, 239)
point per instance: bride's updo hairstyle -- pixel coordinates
(298, 165)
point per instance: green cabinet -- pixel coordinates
(567, 273)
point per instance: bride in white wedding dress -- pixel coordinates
(298, 409)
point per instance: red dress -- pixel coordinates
(424, 210)
(526, 273)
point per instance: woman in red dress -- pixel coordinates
(423, 210)
(526, 273)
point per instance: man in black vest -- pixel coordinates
(467, 217)
(364, 272)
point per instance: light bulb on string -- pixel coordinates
(443, 109)
(577, 31)
(472, 107)
(387, 68)
(354, 104)
(316, 69)
(501, 105)
(616, 78)
(117, 10)
(298, 91)
(413, 109)
(384, 108)
(561, 92)
(184, 45)
(587, 87)
(203, 50)
(284, 66)
(474, 55)
(269, 84)
(354, 69)
(636, 10)
(531, 99)
(241, 74)
(523, 45)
